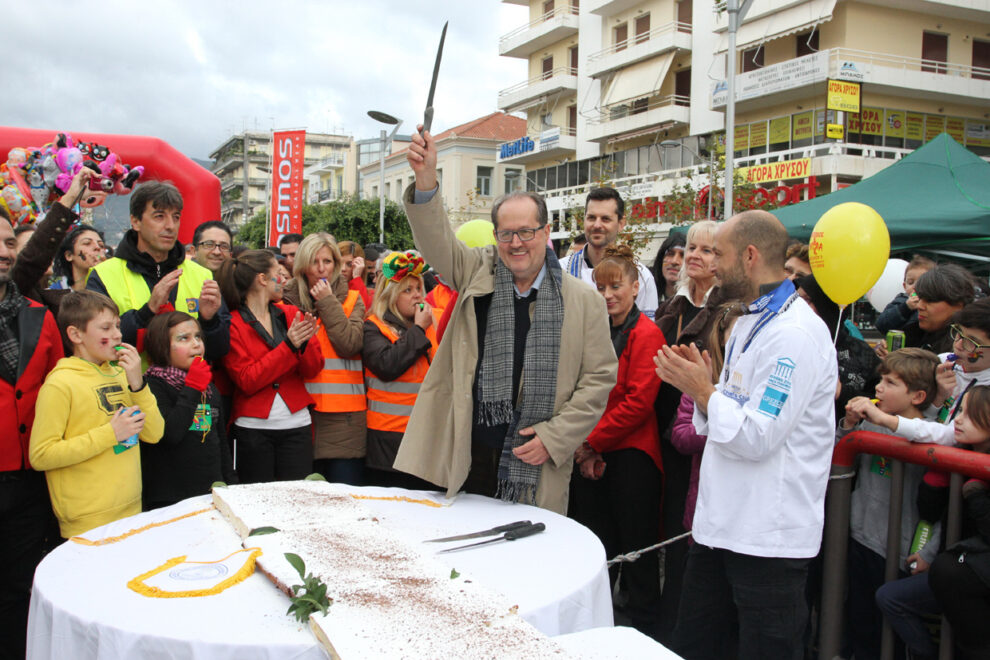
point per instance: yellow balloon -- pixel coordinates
(476, 233)
(849, 249)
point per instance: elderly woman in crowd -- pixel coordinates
(320, 287)
(685, 318)
(667, 266)
(620, 504)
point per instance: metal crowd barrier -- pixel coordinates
(960, 462)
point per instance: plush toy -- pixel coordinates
(95, 152)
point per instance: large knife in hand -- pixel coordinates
(428, 113)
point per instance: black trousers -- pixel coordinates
(623, 510)
(965, 601)
(736, 605)
(25, 523)
(273, 455)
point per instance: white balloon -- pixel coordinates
(890, 284)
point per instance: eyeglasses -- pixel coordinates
(525, 235)
(967, 344)
(213, 245)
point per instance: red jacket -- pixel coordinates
(40, 346)
(258, 372)
(629, 421)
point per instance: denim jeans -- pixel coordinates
(904, 603)
(733, 601)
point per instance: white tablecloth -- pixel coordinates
(81, 606)
(619, 643)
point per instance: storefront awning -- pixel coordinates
(763, 23)
(638, 80)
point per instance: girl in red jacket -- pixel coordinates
(270, 356)
(617, 492)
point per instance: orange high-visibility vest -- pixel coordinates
(391, 402)
(339, 387)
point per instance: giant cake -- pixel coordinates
(390, 599)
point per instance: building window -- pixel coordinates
(374, 191)
(573, 56)
(807, 43)
(547, 67)
(934, 52)
(621, 33)
(483, 183)
(642, 28)
(547, 10)
(682, 87)
(513, 178)
(752, 59)
(684, 16)
(388, 190)
(572, 120)
(981, 59)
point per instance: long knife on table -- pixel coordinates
(494, 531)
(428, 113)
(511, 535)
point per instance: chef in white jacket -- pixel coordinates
(769, 422)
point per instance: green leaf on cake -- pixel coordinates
(316, 476)
(454, 574)
(297, 563)
(310, 596)
(218, 484)
(261, 531)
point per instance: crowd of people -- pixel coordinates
(703, 394)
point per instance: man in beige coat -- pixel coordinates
(518, 321)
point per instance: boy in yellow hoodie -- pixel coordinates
(90, 412)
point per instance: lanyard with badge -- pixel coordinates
(768, 306)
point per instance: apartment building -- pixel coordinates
(611, 80)
(470, 177)
(243, 164)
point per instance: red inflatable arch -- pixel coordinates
(200, 188)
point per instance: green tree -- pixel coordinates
(348, 219)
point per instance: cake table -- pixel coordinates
(81, 606)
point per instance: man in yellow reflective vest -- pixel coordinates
(149, 273)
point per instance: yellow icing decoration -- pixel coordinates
(399, 498)
(138, 585)
(113, 539)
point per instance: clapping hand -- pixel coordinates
(301, 330)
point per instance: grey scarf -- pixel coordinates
(10, 307)
(518, 481)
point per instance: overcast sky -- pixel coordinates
(194, 73)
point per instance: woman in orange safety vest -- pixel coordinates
(339, 416)
(399, 343)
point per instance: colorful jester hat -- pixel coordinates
(399, 265)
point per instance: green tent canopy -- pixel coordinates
(934, 200)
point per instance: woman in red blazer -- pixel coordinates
(616, 492)
(270, 356)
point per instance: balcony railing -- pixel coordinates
(558, 12)
(909, 63)
(546, 75)
(656, 33)
(635, 106)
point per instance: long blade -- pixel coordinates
(471, 545)
(486, 532)
(428, 114)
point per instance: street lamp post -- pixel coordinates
(737, 12)
(386, 138)
(711, 169)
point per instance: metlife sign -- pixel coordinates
(791, 74)
(517, 148)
